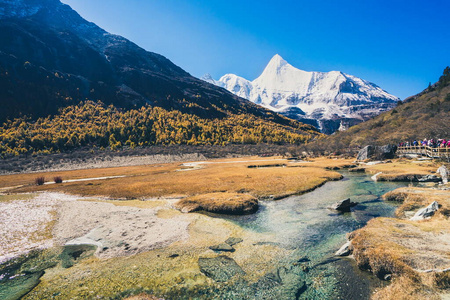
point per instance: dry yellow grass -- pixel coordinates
(142, 296)
(406, 248)
(227, 203)
(231, 175)
(401, 169)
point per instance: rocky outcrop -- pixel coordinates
(343, 205)
(377, 152)
(426, 212)
(366, 152)
(220, 269)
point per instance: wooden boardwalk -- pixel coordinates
(435, 153)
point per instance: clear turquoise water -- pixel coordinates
(305, 225)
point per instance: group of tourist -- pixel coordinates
(439, 143)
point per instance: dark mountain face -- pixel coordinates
(50, 57)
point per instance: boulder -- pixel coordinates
(343, 205)
(377, 152)
(345, 250)
(222, 247)
(426, 212)
(366, 152)
(220, 269)
(386, 151)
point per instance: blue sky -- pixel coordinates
(399, 45)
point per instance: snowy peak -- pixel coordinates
(319, 96)
(276, 63)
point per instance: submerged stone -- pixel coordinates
(220, 269)
(222, 247)
(233, 241)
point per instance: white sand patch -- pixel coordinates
(117, 230)
(22, 223)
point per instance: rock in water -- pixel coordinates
(366, 152)
(233, 241)
(220, 269)
(222, 247)
(345, 250)
(343, 205)
(426, 212)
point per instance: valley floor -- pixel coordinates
(133, 217)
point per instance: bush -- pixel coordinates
(39, 180)
(57, 179)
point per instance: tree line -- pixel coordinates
(95, 124)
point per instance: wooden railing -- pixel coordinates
(439, 152)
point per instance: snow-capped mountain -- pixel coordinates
(329, 100)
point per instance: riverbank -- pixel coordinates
(263, 178)
(413, 254)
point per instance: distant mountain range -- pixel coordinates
(330, 101)
(51, 58)
(423, 116)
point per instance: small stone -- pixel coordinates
(222, 247)
(233, 241)
(220, 269)
(345, 250)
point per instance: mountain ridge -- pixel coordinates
(323, 97)
(422, 116)
(50, 57)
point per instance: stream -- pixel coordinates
(301, 224)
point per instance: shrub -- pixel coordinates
(57, 179)
(39, 180)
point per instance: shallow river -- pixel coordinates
(301, 224)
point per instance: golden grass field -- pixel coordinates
(405, 248)
(226, 175)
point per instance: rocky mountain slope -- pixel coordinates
(327, 100)
(66, 83)
(50, 57)
(425, 115)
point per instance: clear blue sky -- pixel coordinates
(399, 45)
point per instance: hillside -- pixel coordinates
(50, 57)
(97, 125)
(426, 115)
(53, 63)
